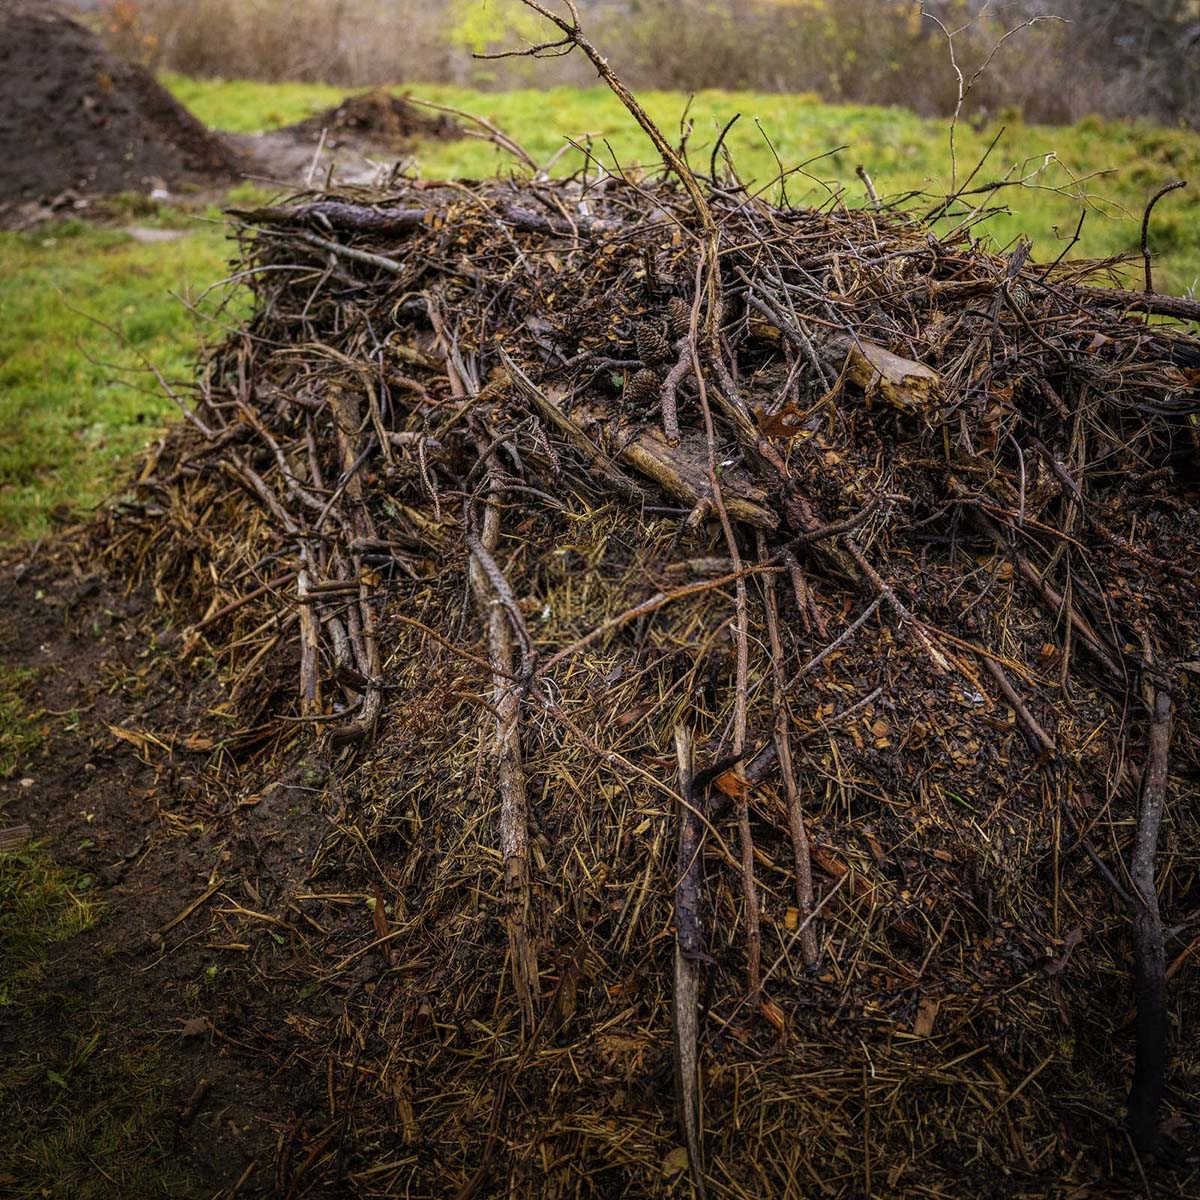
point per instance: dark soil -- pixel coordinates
(134, 787)
(376, 118)
(75, 121)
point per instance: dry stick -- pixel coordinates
(1050, 597)
(689, 953)
(1163, 306)
(347, 422)
(234, 605)
(362, 256)
(867, 182)
(678, 474)
(805, 600)
(1149, 957)
(595, 457)
(783, 746)
(1050, 747)
(746, 842)
(492, 133)
(877, 581)
(514, 808)
(841, 639)
(1162, 191)
(670, 385)
(253, 483)
(310, 682)
(710, 268)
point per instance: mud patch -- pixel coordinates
(139, 1052)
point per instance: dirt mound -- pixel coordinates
(377, 118)
(76, 120)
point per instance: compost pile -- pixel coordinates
(748, 640)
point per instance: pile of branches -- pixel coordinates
(761, 646)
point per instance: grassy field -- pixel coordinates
(83, 309)
(1111, 168)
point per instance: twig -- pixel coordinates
(644, 609)
(310, 684)
(867, 183)
(514, 809)
(1162, 191)
(800, 849)
(745, 839)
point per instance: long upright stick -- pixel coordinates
(689, 952)
(1149, 956)
(514, 809)
(801, 855)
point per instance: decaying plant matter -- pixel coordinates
(753, 636)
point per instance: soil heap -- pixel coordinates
(375, 119)
(753, 647)
(76, 120)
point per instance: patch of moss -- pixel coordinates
(19, 736)
(40, 904)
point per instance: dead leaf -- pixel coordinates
(1072, 939)
(828, 863)
(733, 784)
(378, 916)
(143, 742)
(676, 1162)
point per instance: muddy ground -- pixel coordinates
(146, 1055)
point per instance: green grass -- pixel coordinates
(19, 735)
(40, 904)
(75, 405)
(1111, 166)
(82, 310)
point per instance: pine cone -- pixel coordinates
(643, 388)
(1018, 293)
(679, 316)
(664, 272)
(652, 345)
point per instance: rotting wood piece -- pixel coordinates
(880, 374)
(679, 470)
(345, 217)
